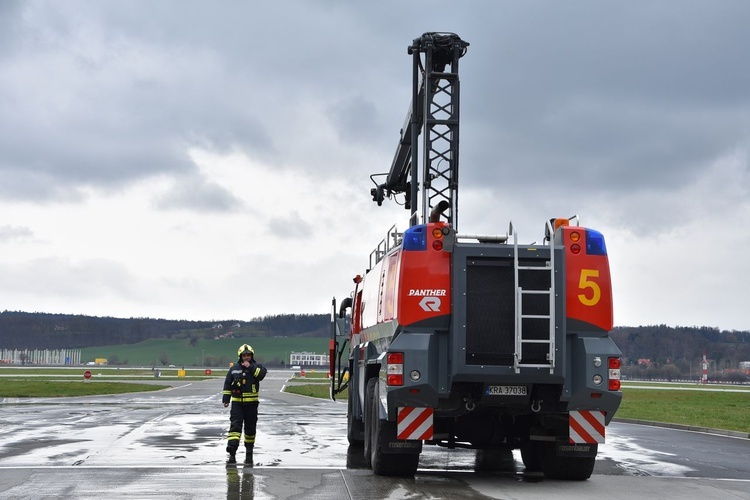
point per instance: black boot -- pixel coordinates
(249, 455)
(231, 459)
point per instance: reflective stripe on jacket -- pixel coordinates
(243, 384)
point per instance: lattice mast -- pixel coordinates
(434, 114)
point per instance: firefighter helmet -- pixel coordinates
(245, 348)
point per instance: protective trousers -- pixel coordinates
(239, 414)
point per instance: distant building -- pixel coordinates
(308, 359)
(40, 356)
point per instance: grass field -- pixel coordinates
(314, 385)
(24, 388)
(20, 382)
(104, 372)
(205, 352)
(689, 405)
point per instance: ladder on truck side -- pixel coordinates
(522, 339)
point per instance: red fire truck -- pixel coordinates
(472, 341)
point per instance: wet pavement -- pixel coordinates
(170, 444)
(207, 482)
(184, 425)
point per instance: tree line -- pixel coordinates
(646, 349)
(23, 330)
(666, 352)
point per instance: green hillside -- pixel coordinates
(21, 330)
(216, 353)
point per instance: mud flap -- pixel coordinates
(389, 444)
(566, 449)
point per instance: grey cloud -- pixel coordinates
(289, 227)
(102, 95)
(89, 108)
(9, 10)
(356, 120)
(195, 193)
(618, 97)
(53, 276)
(627, 97)
(8, 233)
(36, 186)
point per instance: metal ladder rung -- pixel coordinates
(548, 267)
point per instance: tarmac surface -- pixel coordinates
(202, 482)
(170, 444)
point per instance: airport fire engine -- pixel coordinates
(472, 341)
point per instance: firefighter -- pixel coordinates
(241, 387)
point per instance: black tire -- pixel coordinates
(368, 427)
(355, 429)
(566, 468)
(531, 454)
(355, 459)
(386, 464)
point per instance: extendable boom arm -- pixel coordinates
(434, 106)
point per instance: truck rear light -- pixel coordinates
(397, 358)
(395, 368)
(614, 374)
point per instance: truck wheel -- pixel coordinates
(367, 415)
(531, 454)
(386, 464)
(354, 427)
(567, 468)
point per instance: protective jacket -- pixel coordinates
(243, 384)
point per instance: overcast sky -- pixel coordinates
(211, 160)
